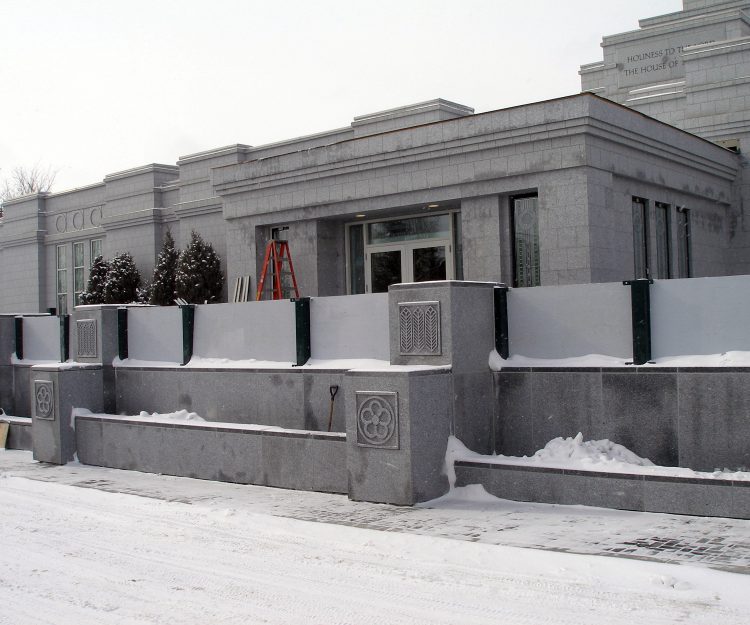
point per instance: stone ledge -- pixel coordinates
(621, 491)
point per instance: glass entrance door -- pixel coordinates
(385, 269)
(407, 262)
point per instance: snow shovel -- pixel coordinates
(333, 390)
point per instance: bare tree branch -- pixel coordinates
(25, 181)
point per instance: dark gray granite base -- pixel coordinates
(622, 491)
(19, 436)
(313, 461)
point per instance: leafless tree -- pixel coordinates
(26, 180)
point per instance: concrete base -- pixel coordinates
(19, 434)
(720, 498)
(297, 460)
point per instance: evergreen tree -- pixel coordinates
(199, 278)
(163, 282)
(123, 280)
(97, 278)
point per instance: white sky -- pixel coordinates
(90, 87)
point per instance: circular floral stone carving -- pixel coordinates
(78, 220)
(43, 401)
(61, 223)
(376, 421)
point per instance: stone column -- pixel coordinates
(93, 340)
(439, 383)
(55, 391)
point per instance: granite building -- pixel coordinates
(643, 175)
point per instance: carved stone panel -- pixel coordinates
(419, 329)
(44, 399)
(377, 419)
(86, 331)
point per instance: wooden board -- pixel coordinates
(3, 433)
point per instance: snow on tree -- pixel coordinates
(97, 278)
(199, 278)
(123, 280)
(163, 282)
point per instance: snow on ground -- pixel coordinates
(74, 556)
(724, 359)
(575, 453)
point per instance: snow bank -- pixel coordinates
(575, 453)
(180, 415)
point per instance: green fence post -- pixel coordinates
(640, 303)
(502, 343)
(302, 327)
(188, 326)
(122, 333)
(19, 337)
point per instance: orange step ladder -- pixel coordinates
(277, 256)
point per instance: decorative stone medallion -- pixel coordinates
(377, 419)
(86, 331)
(419, 329)
(61, 223)
(44, 399)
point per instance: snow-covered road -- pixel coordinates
(79, 555)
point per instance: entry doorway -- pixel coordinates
(407, 249)
(415, 262)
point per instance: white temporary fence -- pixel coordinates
(700, 316)
(568, 321)
(247, 331)
(155, 334)
(41, 338)
(349, 326)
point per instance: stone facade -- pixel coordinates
(545, 193)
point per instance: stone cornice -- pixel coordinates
(145, 217)
(534, 124)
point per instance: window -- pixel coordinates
(357, 256)
(525, 229)
(62, 279)
(96, 250)
(683, 242)
(79, 284)
(640, 238)
(663, 265)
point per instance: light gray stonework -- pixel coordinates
(56, 391)
(583, 157)
(397, 428)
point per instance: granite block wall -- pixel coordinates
(622, 491)
(696, 418)
(297, 460)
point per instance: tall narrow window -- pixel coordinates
(640, 238)
(356, 259)
(526, 241)
(79, 285)
(683, 242)
(663, 266)
(458, 247)
(96, 250)
(62, 279)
